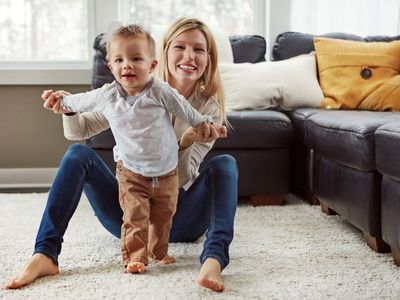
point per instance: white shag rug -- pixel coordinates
(288, 252)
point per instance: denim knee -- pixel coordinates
(78, 153)
(78, 150)
(224, 164)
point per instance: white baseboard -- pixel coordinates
(21, 178)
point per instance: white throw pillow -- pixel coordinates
(288, 83)
(225, 53)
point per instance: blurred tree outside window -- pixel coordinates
(44, 30)
(231, 16)
(53, 31)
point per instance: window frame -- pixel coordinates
(54, 72)
(101, 13)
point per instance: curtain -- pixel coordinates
(361, 17)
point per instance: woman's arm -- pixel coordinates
(82, 126)
(194, 145)
(77, 126)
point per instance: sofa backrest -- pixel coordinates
(245, 48)
(290, 44)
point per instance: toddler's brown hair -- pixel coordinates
(130, 31)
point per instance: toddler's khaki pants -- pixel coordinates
(148, 212)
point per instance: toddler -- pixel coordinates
(137, 107)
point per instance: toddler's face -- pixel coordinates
(131, 63)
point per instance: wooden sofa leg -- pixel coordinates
(266, 200)
(377, 244)
(325, 209)
(311, 199)
(396, 257)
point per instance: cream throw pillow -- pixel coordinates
(288, 84)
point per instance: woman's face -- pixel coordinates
(187, 57)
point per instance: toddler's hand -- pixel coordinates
(221, 130)
(210, 132)
(52, 100)
(203, 133)
(49, 99)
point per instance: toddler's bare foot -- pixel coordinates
(210, 275)
(136, 267)
(167, 260)
(38, 266)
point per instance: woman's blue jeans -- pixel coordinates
(208, 206)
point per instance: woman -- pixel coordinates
(206, 202)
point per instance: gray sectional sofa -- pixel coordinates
(346, 161)
(337, 162)
(387, 141)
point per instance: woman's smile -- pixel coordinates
(187, 67)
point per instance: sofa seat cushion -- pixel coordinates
(347, 137)
(102, 141)
(250, 130)
(257, 130)
(299, 117)
(387, 139)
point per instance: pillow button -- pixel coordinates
(366, 73)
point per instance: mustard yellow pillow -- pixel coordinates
(359, 75)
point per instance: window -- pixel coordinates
(50, 41)
(40, 32)
(232, 16)
(361, 17)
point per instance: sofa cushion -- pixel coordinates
(288, 84)
(347, 137)
(289, 44)
(359, 75)
(248, 48)
(257, 130)
(387, 139)
(249, 130)
(101, 73)
(299, 117)
(102, 141)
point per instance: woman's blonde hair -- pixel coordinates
(209, 85)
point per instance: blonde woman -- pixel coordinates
(207, 200)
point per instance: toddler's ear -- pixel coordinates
(153, 65)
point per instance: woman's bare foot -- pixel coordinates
(38, 266)
(136, 267)
(210, 275)
(167, 260)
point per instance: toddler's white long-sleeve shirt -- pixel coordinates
(145, 139)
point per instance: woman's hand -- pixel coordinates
(203, 133)
(52, 101)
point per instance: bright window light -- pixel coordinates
(44, 31)
(232, 16)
